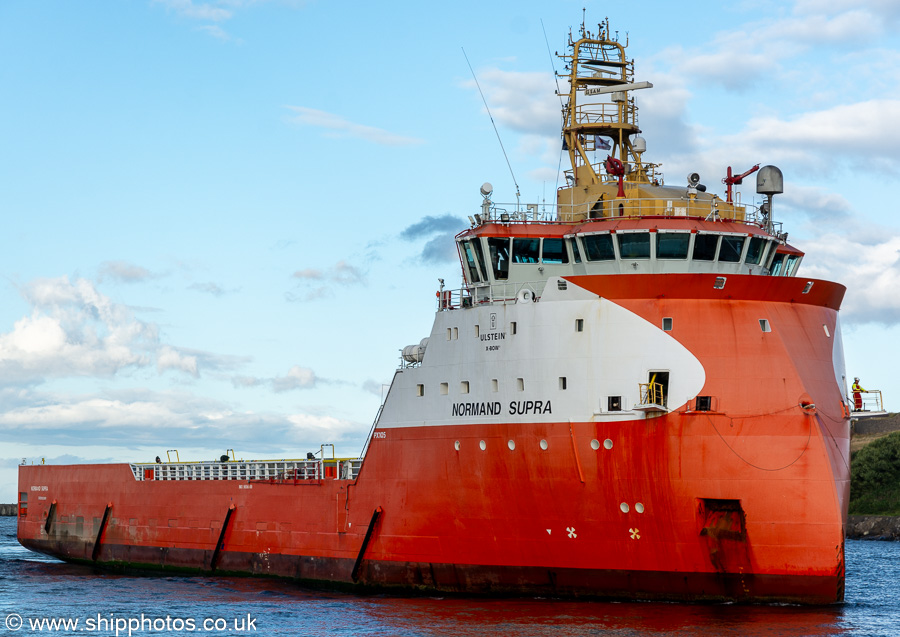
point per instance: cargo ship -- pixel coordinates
(632, 394)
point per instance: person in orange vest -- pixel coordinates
(857, 396)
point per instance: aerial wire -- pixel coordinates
(561, 104)
(494, 125)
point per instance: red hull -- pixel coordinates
(746, 503)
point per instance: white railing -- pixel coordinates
(279, 471)
(489, 293)
(713, 209)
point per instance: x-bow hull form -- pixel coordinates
(636, 398)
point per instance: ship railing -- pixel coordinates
(251, 470)
(666, 207)
(653, 396)
(489, 293)
(870, 402)
(603, 113)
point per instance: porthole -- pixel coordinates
(607, 444)
(595, 444)
(511, 444)
(624, 507)
(456, 445)
(544, 445)
(483, 445)
(639, 507)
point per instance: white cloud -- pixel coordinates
(73, 330)
(203, 11)
(340, 127)
(869, 269)
(317, 284)
(124, 272)
(169, 358)
(180, 419)
(522, 101)
(296, 378)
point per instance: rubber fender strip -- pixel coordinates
(362, 550)
(51, 514)
(221, 543)
(96, 552)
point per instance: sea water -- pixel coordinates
(36, 591)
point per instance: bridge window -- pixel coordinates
(554, 251)
(792, 262)
(775, 270)
(526, 250)
(470, 261)
(634, 245)
(599, 247)
(499, 250)
(731, 249)
(672, 245)
(614, 403)
(667, 324)
(705, 246)
(754, 252)
(576, 254)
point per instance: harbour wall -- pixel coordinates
(7, 509)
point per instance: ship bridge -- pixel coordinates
(506, 252)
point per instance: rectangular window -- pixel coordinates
(526, 250)
(754, 252)
(614, 403)
(576, 253)
(705, 246)
(495, 385)
(672, 245)
(579, 325)
(512, 327)
(562, 382)
(469, 252)
(480, 254)
(667, 324)
(499, 251)
(764, 325)
(827, 331)
(634, 245)
(775, 269)
(731, 249)
(791, 266)
(477, 331)
(445, 389)
(520, 384)
(464, 387)
(554, 251)
(449, 333)
(420, 390)
(703, 403)
(455, 333)
(719, 283)
(599, 247)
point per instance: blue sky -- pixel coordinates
(224, 219)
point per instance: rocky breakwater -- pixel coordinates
(873, 527)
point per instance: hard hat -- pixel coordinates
(856, 378)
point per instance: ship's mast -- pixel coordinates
(597, 67)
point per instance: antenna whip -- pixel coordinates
(494, 125)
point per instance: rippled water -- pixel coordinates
(35, 587)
